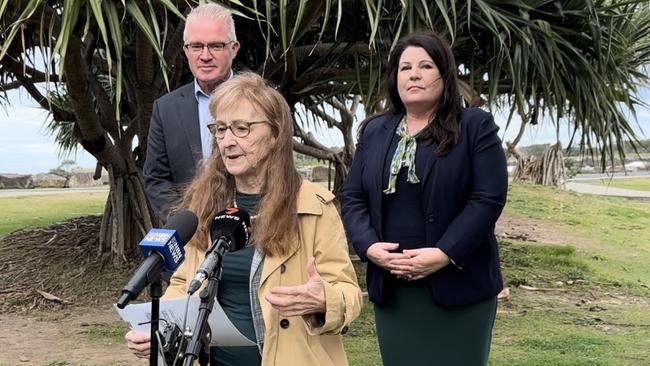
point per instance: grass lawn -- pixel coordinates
(614, 233)
(603, 317)
(35, 211)
(637, 184)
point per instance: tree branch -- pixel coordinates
(10, 86)
(329, 120)
(16, 68)
(326, 154)
(308, 138)
(106, 107)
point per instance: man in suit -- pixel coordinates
(178, 134)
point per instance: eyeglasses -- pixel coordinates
(238, 128)
(212, 47)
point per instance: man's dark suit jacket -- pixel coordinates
(462, 197)
(173, 148)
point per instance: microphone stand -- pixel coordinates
(202, 333)
(155, 289)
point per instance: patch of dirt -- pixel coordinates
(538, 231)
(44, 337)
(583, 306)
(54, 290)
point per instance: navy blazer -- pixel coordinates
(173, 148)
(463, 195)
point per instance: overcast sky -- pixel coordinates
(26, 147)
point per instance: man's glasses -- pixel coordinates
(238, 128)
(212, 47)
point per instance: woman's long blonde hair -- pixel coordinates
(212, 190)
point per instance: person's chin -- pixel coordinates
(417, 99)
(210, 77)
(233, 169)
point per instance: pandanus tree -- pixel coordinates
(97, 66)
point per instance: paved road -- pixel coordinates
(48, 191)
(573, 185)
(605, 190)
(605, 177)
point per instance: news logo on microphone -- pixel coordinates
(165, 242)
(240, 224)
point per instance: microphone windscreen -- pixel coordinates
(234, 224)
(185, 223)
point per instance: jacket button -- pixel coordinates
(283, 268)
(344, 330)
(431, 219)
(284, 323)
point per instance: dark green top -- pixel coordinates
(234, 298)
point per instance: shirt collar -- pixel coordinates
(197, 89)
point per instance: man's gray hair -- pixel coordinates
(214, 12)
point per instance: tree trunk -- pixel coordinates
(126, 216)
(548, 170)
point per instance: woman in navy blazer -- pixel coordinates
(427, 184)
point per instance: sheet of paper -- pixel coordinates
(224, 333)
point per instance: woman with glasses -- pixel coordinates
(424, 191)
(294, 290)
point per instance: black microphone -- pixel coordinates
(230, 231)
(162, 249)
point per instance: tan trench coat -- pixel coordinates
(321, 236)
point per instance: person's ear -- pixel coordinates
(235, 48)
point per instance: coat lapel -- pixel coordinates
(381, 154)
(428, 168)
(188, 120)
(271, 264)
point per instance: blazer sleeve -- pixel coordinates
(342, 293)
(354, 205)
(156, 171)
(487, 192)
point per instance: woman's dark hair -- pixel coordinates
(444, 128)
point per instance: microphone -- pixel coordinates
(230, 231)
(163, 250)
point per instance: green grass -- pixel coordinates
(568, 336)
(361, 340)
(613, 233)
(637, 184)
(541, 264)
(36, 211)
(603, 318)
(106, 333)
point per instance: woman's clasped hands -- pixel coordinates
(410, 264)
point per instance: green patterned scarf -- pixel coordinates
(404, 157)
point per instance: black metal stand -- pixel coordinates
(201, 334)
(156, 292)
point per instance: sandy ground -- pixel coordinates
(47, 338)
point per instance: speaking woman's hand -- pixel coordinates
(300, 300)
(380, 254)
(138, 342)
(421, 263)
